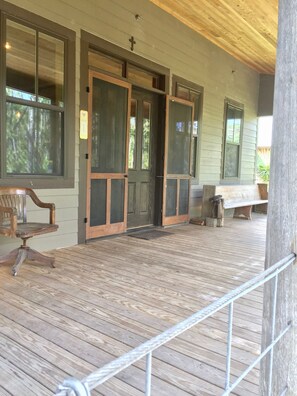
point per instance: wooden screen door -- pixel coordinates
(177, 161)
(109, 109)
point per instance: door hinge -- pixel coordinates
(87, 155)
(85, 220)
(88, 89)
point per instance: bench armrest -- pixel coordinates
(46, 205)
(11, 213)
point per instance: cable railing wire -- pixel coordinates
(75, 387)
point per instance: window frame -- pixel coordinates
(26, 18)
(237, 106)
(196, 140)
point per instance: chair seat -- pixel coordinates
(14, 223)
(28, 230)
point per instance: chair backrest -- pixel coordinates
(13, 198)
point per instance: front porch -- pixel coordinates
(109, 296)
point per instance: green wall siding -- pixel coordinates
(161, 39)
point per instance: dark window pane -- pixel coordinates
(230, 131)
(171, 197)
(179, 138)
(146, 136)
(183, 197)
(230, 126)
(233, 125)
(132, 135)
(109, 126)
(237, 126)
(117, 201)
(50, 70)
(231, 160)
(20, 61)
(98, 203)
(34, 140)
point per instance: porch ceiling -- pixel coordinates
(246, 30)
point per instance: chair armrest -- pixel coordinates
(40, 204)
(11, 213)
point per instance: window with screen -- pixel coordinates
(233, 131)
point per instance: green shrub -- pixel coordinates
(263, 170)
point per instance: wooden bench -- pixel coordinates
(241, 198)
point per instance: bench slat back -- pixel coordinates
(239, 193)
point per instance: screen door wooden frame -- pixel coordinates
(108, 228)
(177, 218)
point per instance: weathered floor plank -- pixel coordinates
(108, 296)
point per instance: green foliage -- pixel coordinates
(132, 143)
(146, 144)
(33, 140)
(263, 170)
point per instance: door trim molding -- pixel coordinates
(90, 41)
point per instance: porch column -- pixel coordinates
(282, 211)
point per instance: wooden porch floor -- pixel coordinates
(107, 297)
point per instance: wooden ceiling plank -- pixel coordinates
(251, 30)
(264, 20)
(216, 21)
(246, 30)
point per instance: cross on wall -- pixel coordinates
(133, 42)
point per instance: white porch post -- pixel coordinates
(282, 211)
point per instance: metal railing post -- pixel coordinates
(148, 374)
(229, 345)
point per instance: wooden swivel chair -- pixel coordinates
(13, 223)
